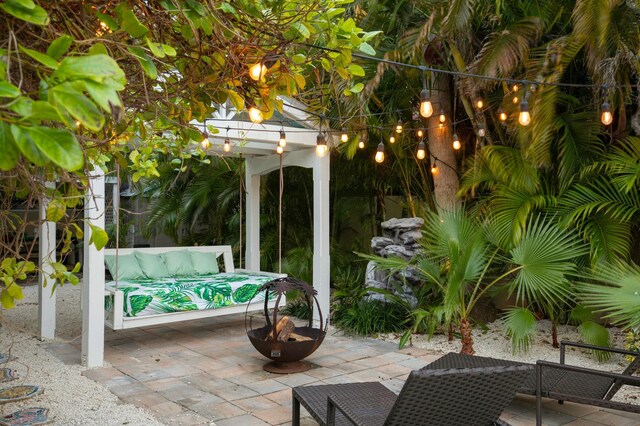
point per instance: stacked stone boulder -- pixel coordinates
(399, 239)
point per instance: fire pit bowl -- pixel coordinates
(279, 339)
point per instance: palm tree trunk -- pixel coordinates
(554, 335)
(445, 180)
(467, 340)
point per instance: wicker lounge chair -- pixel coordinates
(561, 381)
(475, 396)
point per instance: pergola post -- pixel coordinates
(321, 234)
(252, 258)
(93, 290)
(47, 256)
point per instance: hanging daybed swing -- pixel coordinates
(161, 285)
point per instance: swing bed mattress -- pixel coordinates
(147, 297)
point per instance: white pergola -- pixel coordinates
(256, 143)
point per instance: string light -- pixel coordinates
(399, 126)
(227, 143)
(420, 133)
(442, 117)
(426, 108)
(380, 153)
(321, 145)
(257, 71)
(282, 142)
(606, 117)
(456, 142)
(345, 136)
(502, 116)
(392, 139)
(361, 144)
(481, 131)
(206, 143)
(421, 152)
(279, 150)
(515, 88)
(479, 103)
(524, 118)
(515, 99)
(255, 115)
(434, 168)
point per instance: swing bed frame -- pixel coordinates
(116, 320)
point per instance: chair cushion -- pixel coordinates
(204, 263)
(152, 265)
(128, 267)
(178, 263)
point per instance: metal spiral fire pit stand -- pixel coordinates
(286, 355)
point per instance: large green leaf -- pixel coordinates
(8, 90)
(45, 60)
(26, 10)
(9, 150)
(104, 95)
(59, 145)
(59, 46)
(99, 237)
(138, 303)
(27, 145)
(130, 22)
(145, 61)
(94, 67)
(78, 105)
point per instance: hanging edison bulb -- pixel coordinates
(515, 88)
(361, 144)
(481, 131)
(255, 115)
(426, 108)
(606, 117)
(257, 71)
(282, 142)
(380, 153)
(479, 103)
(515, 99)
(456, 142)
(392, 139)
(502, 116)
(321, 145)
(279, 150)
(399, 126)
(442, 117)
(344, 137)
(524, 118)
(434, 168)
(227, 145)
(420, 133)
(421, 152)
(206, 143)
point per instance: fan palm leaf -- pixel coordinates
(614, 290)
(544, 258)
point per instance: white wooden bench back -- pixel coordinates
(225, 251)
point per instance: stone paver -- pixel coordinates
(207, 373)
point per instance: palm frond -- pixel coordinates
(545, 256)
(614, 290)
(520, 324)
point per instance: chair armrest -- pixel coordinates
(627, 379)
(335, 402)
(593, 347)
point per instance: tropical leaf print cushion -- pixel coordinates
(148, 297)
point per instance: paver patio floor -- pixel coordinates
(207, 373)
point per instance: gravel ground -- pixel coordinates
(72, 399)
(494, 343)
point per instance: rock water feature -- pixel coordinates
(399, 239)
